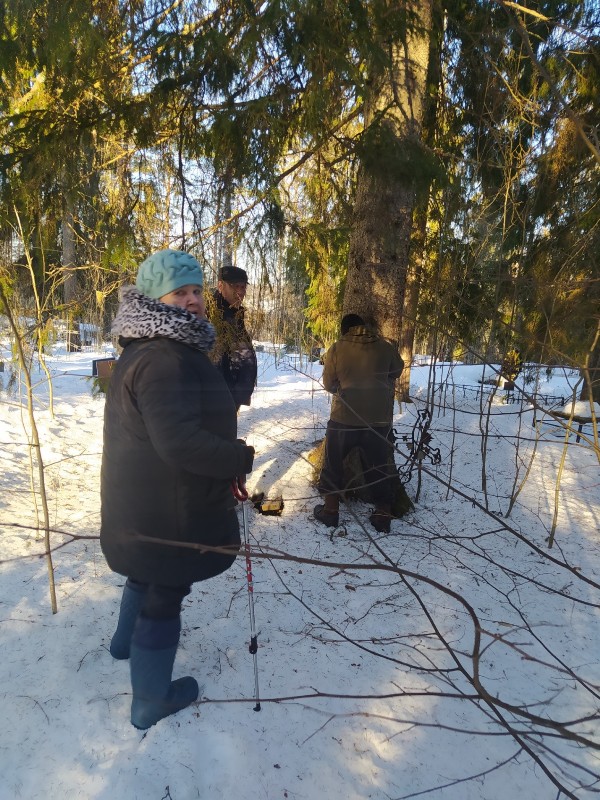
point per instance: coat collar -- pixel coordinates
(360, 334)
(141, 317)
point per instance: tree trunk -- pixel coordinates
(590, 391)
(411, 303)
(227, 232)
(418, 254)
(385, 195)
(69, 265)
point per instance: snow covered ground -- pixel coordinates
(456, 657)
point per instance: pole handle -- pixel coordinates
(239, 490)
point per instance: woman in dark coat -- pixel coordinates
(170, 455)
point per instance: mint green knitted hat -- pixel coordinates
(167, 270)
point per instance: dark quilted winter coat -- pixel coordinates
(170, 449)
(360, 371)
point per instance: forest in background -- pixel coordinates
(430, 165)
(433, 166)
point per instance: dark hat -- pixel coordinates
(350, 321)
(233, 275)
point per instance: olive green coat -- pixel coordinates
(360, 371)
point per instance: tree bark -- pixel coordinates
(383, 209)
(411, 302)
(590, 390)
(69, 265)
(418, 253)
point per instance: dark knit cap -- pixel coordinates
(167, 270)
(233, 275)
(351, 321)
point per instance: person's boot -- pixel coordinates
(328, 513)
(131, 603)
(381, 518)
(155, 696)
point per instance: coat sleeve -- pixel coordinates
(396, 366)
(169, 398)
(330, 378)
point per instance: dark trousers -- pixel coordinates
(160, 602)
(375, 445)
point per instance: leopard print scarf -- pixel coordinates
(141, 317)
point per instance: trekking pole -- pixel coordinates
(241, 494)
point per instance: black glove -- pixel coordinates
(249, 456)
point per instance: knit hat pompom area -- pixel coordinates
(168, 270)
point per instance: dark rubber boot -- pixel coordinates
(131, 603)
(328, 512)
(380, 519)
(153, 650)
